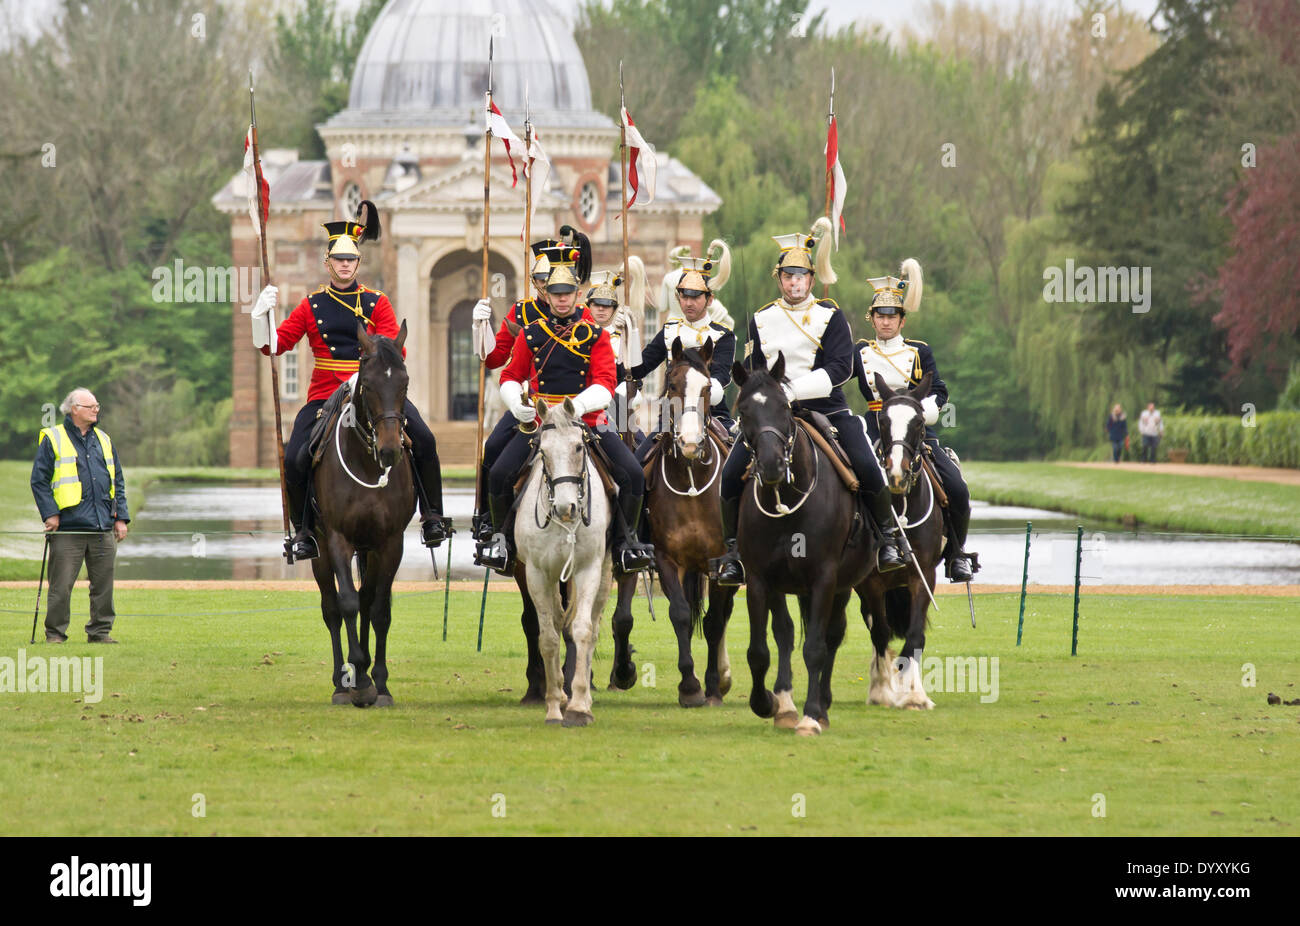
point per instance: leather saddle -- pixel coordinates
(825, 435)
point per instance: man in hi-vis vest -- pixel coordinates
(81, 495)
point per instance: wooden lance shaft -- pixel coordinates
(482, 367)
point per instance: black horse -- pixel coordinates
(799, 533)
(365, 493)
(894, 604)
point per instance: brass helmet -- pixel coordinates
(344, 235)
(797, 252)
(897, 295)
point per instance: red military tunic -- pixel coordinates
(521, 313)
(328, 317)
(558, 363)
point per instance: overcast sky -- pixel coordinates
(893, 14)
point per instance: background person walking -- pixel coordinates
(80, 493)
(1152, 427)
(1117, 432)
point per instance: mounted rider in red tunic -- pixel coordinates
(328, 319)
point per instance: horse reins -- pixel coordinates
(369, 436)
(583, 482)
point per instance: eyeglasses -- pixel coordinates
(95, 407)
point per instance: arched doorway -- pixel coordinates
(455, 283)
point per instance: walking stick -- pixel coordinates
(266, 277)
(44, 554)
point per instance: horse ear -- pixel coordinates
(778, 369)
(706, 352)
(401, 335)
(367, 343)
(882, 389)
(677, 350)
(569, 409)
(738, 373)
(542, 408)
(921, 389)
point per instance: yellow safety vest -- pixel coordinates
(65, 481)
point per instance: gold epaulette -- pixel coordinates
(828, 303)
(914, 341)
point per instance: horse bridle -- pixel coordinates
(787, 463)
(914, 467)
(582, 480)
(370, 433)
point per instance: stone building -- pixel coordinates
(411, 140)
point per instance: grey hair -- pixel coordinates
(66, 407)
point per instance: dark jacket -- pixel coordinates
(1116, 428)
(96, 511)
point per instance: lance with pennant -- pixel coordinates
(266, 281)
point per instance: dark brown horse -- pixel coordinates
(683, 494)
(366, 496)
(799, 533)
(894, 604)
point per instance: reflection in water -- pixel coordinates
(233, 531)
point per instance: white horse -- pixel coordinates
(560, 531)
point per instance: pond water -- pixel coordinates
(197, 531)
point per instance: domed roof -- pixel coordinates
(425, 62)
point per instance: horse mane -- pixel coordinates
(387, 349)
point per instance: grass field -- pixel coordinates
(1152, 718)
(1154, 500)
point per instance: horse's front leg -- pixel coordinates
(546, 600)
(623, 675)
(323, 570)
(787, 715)
(340, 552)
(911, 691)
(816, 606)
(834, 637)
(884, 674)
(535, 671)
(717, 675)
(689, 692)
(761, 701)
(379, 580)
(584, 630)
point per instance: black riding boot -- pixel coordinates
(481, 527)
(728, 568)
(959, 564)
(630, 553)
(303, 543)
(890, 557)
(434, 528)
(498, 552)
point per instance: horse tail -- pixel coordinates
(693, 586)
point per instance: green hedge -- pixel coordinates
(1274, 440)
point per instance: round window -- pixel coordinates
(589, 203)
(351, 200)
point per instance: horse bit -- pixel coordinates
(369, 436)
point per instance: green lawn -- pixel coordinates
(1152, 716)
(1155, 500)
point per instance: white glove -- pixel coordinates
(715, 392)
(622, 319)
(512, 396)
(591, 399)
(483, 311)
(930, 407)
(263, 330)
(813, 385)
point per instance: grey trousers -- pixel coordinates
(67, 552)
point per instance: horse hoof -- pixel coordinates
(695, 699)
(365, 698)
(724, 685)
(926, 705)
(532, 697)
(577, 719)
(762, 704)
(825, 723)
(622, 681)
(552, 721)
(808, 727)
(713, 701)
(384, 701)
(788, 720)
(341, 697)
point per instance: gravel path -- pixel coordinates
(1289, 477)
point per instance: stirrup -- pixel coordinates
(482, 527)
(495, 556)
(889, 563)
(634, 558)
(959, 568)
(301, 546)
(434, 530)
(727, 569)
